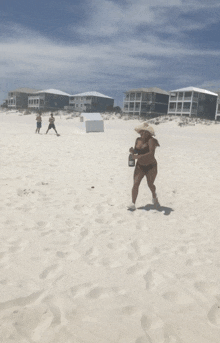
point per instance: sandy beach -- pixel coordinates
(76, 266)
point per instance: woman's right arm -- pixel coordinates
(132, 150)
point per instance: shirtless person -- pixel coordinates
(146, 163)
(39, 121)
(51, 124)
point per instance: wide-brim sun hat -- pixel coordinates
(145, 127)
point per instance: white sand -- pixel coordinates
(77, 267)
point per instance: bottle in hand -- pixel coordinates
(131, 161)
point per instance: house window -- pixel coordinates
(180, 96)
(76, 105)
(186, 106)
(196, 95)
(131, 105)
(72, 98)
(179, 105)
(188, 95)
(147, 97)
(173, 96)
(172, 105)
(138, 96)
(137, 105)
(81, 105)
(132, 96)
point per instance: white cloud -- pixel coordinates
(110, 19)
(115, 53)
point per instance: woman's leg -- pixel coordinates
(138, 176)
(151, 176)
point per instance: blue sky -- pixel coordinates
(109, 46)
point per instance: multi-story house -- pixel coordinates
(19, 97)
(193, 102)
(49, 99)
(91, 102)
(148, 102)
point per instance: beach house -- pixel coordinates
(193, 102)
(147, 102)
(49, 99)
(19, 97)
(90, 102)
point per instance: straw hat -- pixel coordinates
(145, 127)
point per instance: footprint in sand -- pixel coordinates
(48, 271)
(137, 268)
(80, 290)
(17, 246)
(143, 339)
(45, 233)
(55, 310)
(148, 277)
(129, 310)
(61, 254)
(207, 287)
(22, 301)
(96, 293)
(178, 298)
(84, 232)
(214, 315)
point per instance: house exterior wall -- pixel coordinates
(193, 104)
(148, 104)
(90, 103)
(47, 101)
(17, 100)
(217, 114)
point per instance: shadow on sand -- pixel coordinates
(149, 207)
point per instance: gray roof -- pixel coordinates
(149, 90)
(195, 89)
(52, 91)
(100, 95)
(24, 90)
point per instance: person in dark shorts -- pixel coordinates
(51, 123)
(39, 122)
(146, 164)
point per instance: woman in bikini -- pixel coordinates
(146, 164)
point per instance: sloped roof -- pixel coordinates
(53, 91)
(149, 90)
(91, 116)
(24, 90)
(194, 89)
(92, 94)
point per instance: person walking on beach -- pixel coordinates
(146, 165)
(39, 122)
(51, 124)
